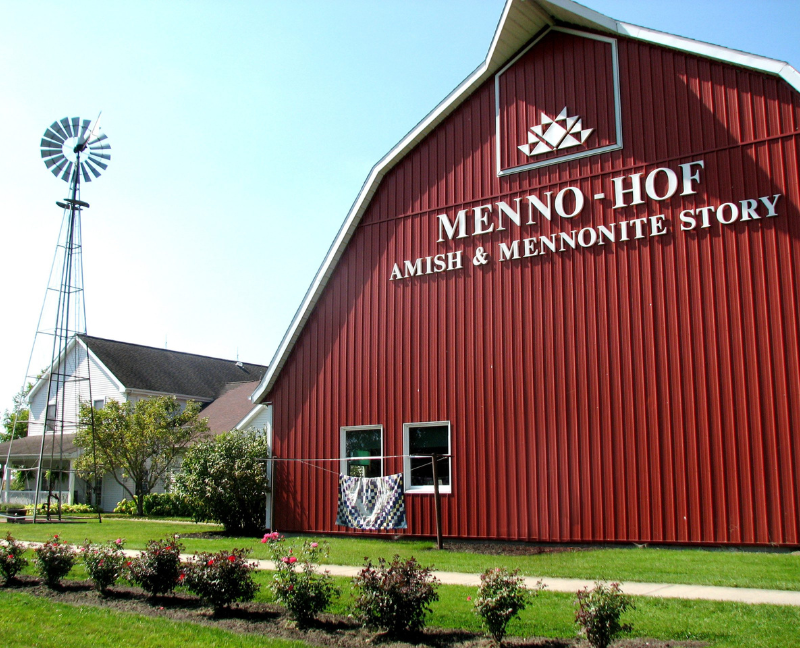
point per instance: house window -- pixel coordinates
(50, 417)
(362, 442)
(99, 403)
(420, 440)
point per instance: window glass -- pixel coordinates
(427, 439)
(99, 403)
(362, 443)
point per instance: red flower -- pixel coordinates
(292, 559)
(291, 587)
(181, 577)
(285, 559)
(210, 562)
(232, 558)
(128, 564)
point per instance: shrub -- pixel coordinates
(305, 593)
(66, 509)
(104, 563)
(53, 560)
(599, 611)
(396, 596)
(157, 569)
(222, 578)
(502, 595)
(11, 560)
(157, 505)
(224, 480)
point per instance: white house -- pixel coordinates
(97, 370)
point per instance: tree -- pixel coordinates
(16, 429)
(224, 480)
(140, 441)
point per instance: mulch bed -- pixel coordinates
(270, 620)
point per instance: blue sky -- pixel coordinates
(241, 133)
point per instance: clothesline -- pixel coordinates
(308, 462)
(426, 456)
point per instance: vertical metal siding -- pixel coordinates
(643, 391)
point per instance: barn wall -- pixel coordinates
(647, 390)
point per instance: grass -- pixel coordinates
(691, 566)
(31, 621)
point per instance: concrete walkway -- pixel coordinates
(572, 585)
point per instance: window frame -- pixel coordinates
(343, 459)
(443, 489)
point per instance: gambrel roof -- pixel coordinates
(520, 22)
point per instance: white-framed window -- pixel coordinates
(361, 442)
(50, 416)
(420, 440)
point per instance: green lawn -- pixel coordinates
(693, 566)
(30, 621)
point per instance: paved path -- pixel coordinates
(572, 585)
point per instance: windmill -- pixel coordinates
(74, 150)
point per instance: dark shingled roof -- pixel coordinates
(170, 372)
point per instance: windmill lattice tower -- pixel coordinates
(74, 150)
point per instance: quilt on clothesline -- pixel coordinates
(371, 502)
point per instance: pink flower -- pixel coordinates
(275, 535)
(118, 541)
(292, 559)
(232, 558)
(266, 537)
(285, 559)
(469, 598)
(314, 545)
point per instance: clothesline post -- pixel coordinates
(437, 501)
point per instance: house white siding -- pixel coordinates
(71, 393)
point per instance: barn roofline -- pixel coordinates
(519, 22)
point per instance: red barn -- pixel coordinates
(578, 277)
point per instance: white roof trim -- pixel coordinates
(556, 9)
(90, 355)
(251, 416)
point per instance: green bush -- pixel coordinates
(53, 560)
(11, 560)
(222, 578)
(104, 563)
(502, 595)
(396, 596)
(157, 505)
(304, 592)
(599, 611)
(66, 509)
(157, 570)
(225, 482)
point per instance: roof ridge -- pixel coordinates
(84, 336)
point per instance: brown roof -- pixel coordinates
(31, 446)
(230, 408)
